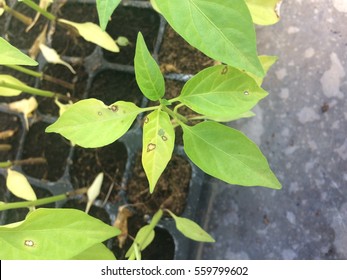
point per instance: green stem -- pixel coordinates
(37, 8)
(150, 108)
(34, 91)
(5, 164)
(41, 76)
(27, 161)
(23, 18)
(40, 201)
(178, 117)
(155, 220)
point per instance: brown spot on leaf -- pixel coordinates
(29, 243)
(100, 113)
(151, 147)
(164, 138)
(224, 70)
(113, 108)
(146, 120)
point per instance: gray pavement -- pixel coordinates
(301, 127)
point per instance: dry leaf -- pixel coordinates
(25, 106)
(19, 185)
(40, 39)
(92, 32)
(94, 190)
(7, 133)
(122, 224)
(43, 5)
(53, 57)
(168, 68)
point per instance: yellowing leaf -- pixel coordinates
(19, 185)
(53, 57)
(94, 190)
(93, 33)
(6, 80)
(264, 12)
(25, 106)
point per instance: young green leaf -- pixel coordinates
(221, 92)
(223, 30)
(18, 185)
(158, 144)
(264, 12)
(105, 10)
(90, 123)
(143, 238)
(7, 79)
(93, 33)
(227, 154)
(191, 229)
(96, 252)
(9, 55)
(53, 234)
(147, 72)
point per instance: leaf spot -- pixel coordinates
(100, 113)
(246, 92)
(29, 243)
(161, 132)
(151, 147)
(113, 108)
(164, 138)
(146, 120)
(224, 70)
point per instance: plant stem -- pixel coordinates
(34, 91)
(41, 76)
(42, 201)
(25, 204)
(27, 161)
(150, 108)
(178, 117)
(37, 8)
(5, 147)
(23, 18)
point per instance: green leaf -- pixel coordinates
(222, 92)
(90, 123)
(147, 72)
(264, 12)
(18, 185)
(96, 252)
(158, 145)
(10, 55)
(93, 33)
(105, 10)
(248, 114)
(7, 79)
(53, 234)
(143, 238)
(227, 154)
(191, 229)
(221, 29)
(266, 62)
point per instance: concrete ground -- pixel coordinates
(301, 127)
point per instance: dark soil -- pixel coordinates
(78, 81)
(110, 86)
(88, 163)
(10, 131)
(51, 146)
(17, 34)
(127, 22)
(177, 56)
(65, 40)
(170, 192)
(94, 211)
